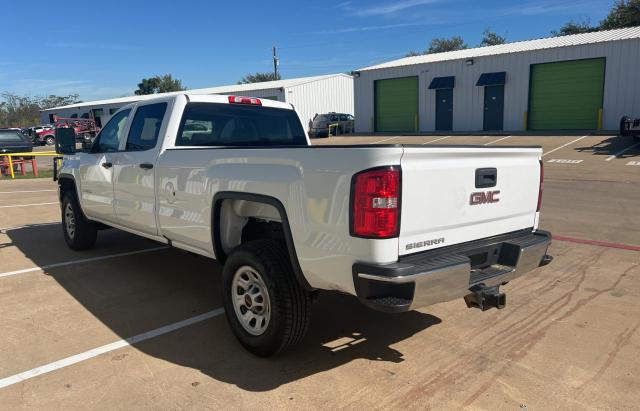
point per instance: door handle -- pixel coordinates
(107, 165)
(146, 166)
(486, 177)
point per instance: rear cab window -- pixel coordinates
(216, 124)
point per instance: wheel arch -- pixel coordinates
(66, 182)
(216, 238)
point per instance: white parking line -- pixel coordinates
(74, 359)
(495, 141)
(619, 153)
(25, 191)
(3, 230)
(437, 139)
(386, 139)
(564, 145)
(84, 260)
(564, 161)
(27, 205)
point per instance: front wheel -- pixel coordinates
(50, 140)
(79, 232)
(266, 307)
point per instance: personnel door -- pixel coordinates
(493, 107)
(134, 179)
(444, 109)
(96, 169)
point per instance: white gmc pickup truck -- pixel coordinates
(235, 179)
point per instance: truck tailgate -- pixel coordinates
(443, 204)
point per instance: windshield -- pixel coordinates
(214, 124)
(323, 118)
(8, 135)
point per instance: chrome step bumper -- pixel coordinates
(445, 274)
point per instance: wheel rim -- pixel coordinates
(69, 220)
(251, 300)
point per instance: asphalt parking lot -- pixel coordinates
(131, 324)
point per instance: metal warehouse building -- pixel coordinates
(578, 82)
(309, 95)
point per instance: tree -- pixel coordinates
(574, 27)
(413, 53)
(159, 84)
(24, 111)
(624, 13)
(259, 78)
(441, 45)
(491, 38)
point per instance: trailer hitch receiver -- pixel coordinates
(485, 298)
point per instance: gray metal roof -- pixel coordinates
(234, 88)
(516, 47)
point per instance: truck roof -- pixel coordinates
(211, 98)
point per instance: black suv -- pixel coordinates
(340, 123)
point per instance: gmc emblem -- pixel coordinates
(484, 197)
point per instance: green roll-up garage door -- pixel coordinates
(396, 104)
(566, 95)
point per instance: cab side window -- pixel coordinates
(145, 128)
(112, 134)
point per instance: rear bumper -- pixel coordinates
(452, 272)
(318, 133)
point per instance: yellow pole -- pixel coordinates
(600, 119)
(11, 166)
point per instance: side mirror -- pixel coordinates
(65, 141)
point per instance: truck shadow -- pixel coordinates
(138, 293)
(612, 145)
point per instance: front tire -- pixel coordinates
(79, 232)
(267, 309)
(623, 126)
(50, 141)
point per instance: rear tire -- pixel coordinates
(623, 130)
(49, 141)
(267, 309)
(79, 232)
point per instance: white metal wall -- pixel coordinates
(621, 94)
(271, 92)
(321, 96)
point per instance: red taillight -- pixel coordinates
(245, 100)
(541, 186)
(376, 203)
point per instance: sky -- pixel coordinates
(102, 49)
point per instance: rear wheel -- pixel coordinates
(79, 232)
(266, 308)
(623, 126)
(49, 140)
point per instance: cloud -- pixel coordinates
(86, 89)
(386, 8)
(370, 28)
(85, 46)
(537, 8)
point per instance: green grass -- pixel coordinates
(48, 173)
